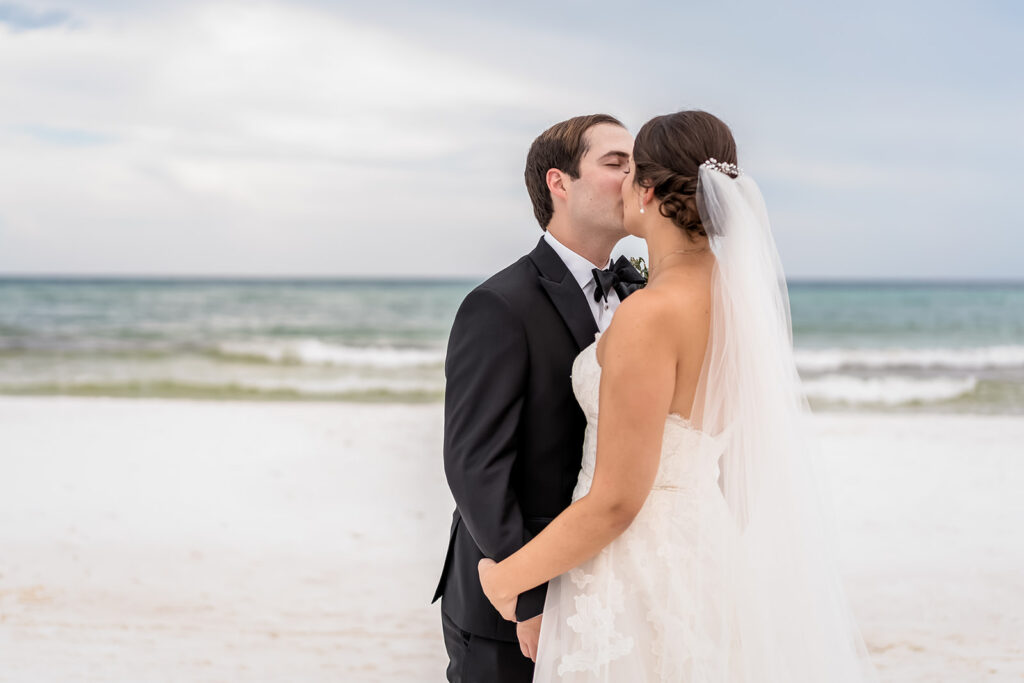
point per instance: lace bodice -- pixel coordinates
(688, 456)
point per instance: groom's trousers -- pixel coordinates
(475, 659)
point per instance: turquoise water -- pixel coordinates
(932, 347)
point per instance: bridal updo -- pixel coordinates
(668, 152)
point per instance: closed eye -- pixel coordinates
(614, 159)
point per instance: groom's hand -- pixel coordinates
(528, 633)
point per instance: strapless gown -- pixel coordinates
(655, 604)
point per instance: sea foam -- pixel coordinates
(316, 352)
(970, 358)
(890, 391)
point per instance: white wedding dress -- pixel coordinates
(727, 574)
(653, 604)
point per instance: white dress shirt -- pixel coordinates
(580, 268)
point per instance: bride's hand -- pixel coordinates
(504, 603)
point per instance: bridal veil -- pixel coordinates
(791, 621)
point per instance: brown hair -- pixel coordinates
(561, 146)
(668, 152)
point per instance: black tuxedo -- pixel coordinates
(513, 431)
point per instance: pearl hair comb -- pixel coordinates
(725, 167)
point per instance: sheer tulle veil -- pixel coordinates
(791, 614)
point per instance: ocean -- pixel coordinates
(925, 347)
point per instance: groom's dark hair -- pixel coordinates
(561, 146)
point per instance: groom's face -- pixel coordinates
(595, 198)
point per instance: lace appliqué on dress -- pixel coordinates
(594, 621)
(648, 607)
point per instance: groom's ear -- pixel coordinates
(557, 181)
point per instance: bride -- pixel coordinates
(696, 547)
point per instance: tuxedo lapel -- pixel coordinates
(565, 294)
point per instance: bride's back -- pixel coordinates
(680, 297)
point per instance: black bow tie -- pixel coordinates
(622, 277)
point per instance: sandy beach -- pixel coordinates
(172, 540)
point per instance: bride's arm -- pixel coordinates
(637, 385)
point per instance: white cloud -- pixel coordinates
(285, 137)
(272, 130)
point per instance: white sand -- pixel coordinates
(197, 541)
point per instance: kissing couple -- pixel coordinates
(630, 458)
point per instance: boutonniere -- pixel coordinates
(641, 267)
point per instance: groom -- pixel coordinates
(513, 432)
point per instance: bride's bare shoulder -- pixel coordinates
(681, 298)
(648, 325)
(643, 311)
(643, 307)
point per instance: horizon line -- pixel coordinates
(443, 279)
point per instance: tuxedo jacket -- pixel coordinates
(513, 431)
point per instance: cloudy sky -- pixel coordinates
(319, 138)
